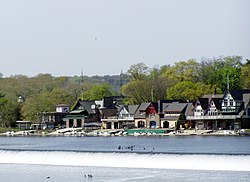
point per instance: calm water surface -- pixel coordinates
(173, 144)
(177, 158)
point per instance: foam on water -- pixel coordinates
(129, 160)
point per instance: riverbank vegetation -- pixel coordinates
(185, 80)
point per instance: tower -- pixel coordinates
(121, 81)
(82, 84)
(227, 82)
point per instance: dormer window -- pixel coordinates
(231, 102)
(225, 103)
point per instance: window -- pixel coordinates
(225, 103)
(231, 102)
(79, 123)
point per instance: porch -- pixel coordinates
(117, 123)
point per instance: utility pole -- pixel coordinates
(82, 84)
(152, 94)
(121, 82)
(227, 82)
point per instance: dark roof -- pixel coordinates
(205, 100)
(246, 99)
(86, 105)
(189, 110)
(132, 108)
(210, 96)
(161, 102)
(204, 103)
(119, 107)
(217, 103)
(174, 107)
(143, 107)
(77, 111)
(108, 102)
(238, 94)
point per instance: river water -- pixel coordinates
(154, 158)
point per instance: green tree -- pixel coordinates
(189, 91)
(183, 71)
(98, 92)
(159, 84)
(214, 71)
(8, 112)
(137, 91)
(245, 75)
(138, 71)
(45, 102)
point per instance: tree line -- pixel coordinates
(185, 80)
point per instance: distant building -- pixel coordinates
(124, 118)
(230, 110)
(83, 114)
(147, 116)
(172, 112)
(53, 119)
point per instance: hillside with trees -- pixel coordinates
(185, 80)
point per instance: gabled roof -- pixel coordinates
(246, 99)
(204, 103)
(210, 96)
(119, 107)
(161, 102)
(87, 105)
(217, 103)
(238, 94)
(106, 103)
(189, 110)
(206, 100)
(132, 108)
(143, 107)
(77, 111)
(174, 107)
(84, 105)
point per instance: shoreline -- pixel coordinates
(122, 132)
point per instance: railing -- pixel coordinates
(211, 117)
(76, 116)
(126, 117)
(121, 117)
(112, 117)
(166, 115)
(118, 119)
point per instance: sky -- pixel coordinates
(103, 37)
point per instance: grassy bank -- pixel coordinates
(3, 130)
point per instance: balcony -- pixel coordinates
(212, 117)
(120, 118)
(77, 117)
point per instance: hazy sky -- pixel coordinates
(102, 37)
